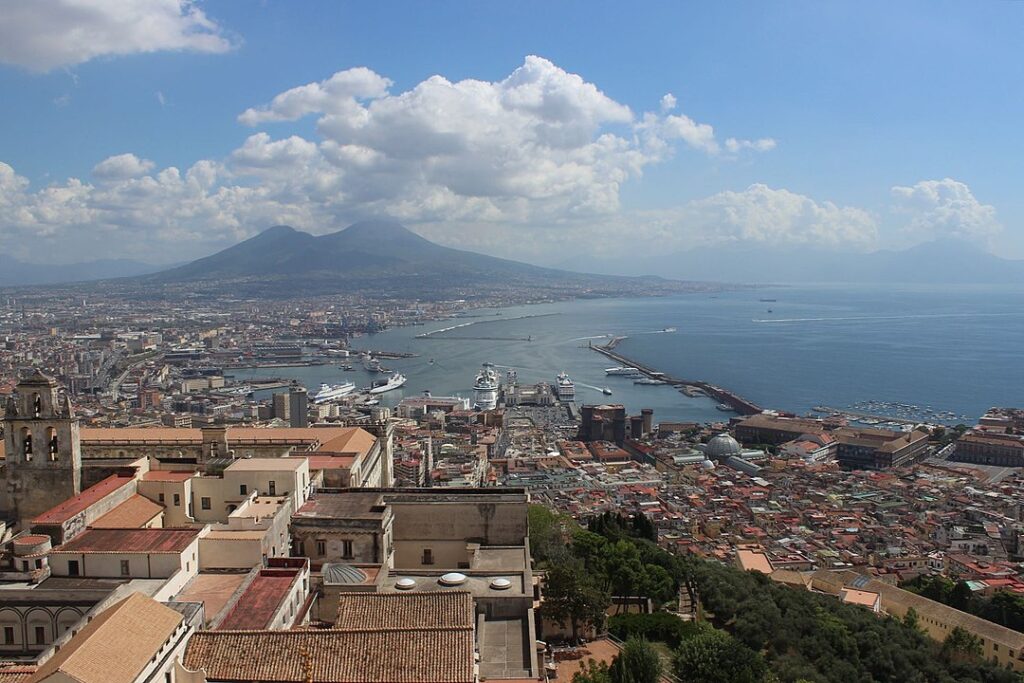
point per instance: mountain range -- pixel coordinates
(937, 262)
(384, 257)
(14, 272)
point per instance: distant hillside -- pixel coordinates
(381, 255)
(16, 273)
(942, 262)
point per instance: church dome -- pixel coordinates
(722, 446)
(336, 573)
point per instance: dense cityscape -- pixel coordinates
(534, 342)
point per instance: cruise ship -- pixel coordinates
(485, 388)
(330, 392)
(622, 371)
(393, 382)
(564, 388)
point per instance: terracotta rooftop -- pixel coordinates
(72, 506)
(135, 512)
(115, 646)
(335, 656)
(437, 610)
(130, 541)
(259, 602)
(338, 439)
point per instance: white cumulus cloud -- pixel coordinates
(540, 155)
(945, 209)
(122, 166)
(41, 35)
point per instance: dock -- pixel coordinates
(724, 396)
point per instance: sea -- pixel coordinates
(904, 351)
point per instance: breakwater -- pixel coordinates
(733, 400)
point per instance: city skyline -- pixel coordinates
(521, 132)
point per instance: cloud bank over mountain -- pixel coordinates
(523, 166)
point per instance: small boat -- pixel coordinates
(724, 407)
(606, 391)
(669, 329)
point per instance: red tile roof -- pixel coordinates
(72, 506)
(130, 541)
(257, 605)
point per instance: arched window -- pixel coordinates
(53, 445)
(37, 405)
(26, 443)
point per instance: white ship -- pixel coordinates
(485, 388)
(393, 382)
(622, 371)
(564, 388)
(330, 392)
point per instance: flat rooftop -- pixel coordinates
(351, 504)
(265, 465)
(213, 590)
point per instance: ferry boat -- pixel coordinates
(331, 392)
(669, 329)
(649, 380)
(564, 388)
(485, 388)
(622, 371)
(393, 382)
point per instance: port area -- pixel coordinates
(859, 416)
(687, 386)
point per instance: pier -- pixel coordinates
(724, 396)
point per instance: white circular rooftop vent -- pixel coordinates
(405, 584)
(452, 579)
(501, 584)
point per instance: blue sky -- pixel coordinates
(857, 125)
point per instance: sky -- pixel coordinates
(164, 130)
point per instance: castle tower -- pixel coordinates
(43, 464)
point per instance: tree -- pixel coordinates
(637, 663)
(713, 656)
(592, 672)
(911, 619)
(547, 535)
(961, 645)
(571, 597)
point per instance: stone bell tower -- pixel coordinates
(43, 464)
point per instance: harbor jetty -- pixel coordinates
(733, 400)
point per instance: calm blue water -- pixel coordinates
(957, 349)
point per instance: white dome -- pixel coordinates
(722, 446)
(405, 584)
(708, 465)
(453, 579)
(501, 584)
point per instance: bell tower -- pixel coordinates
(43, 452)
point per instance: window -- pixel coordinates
(168, 678)
(40, 635)
(346, 549)
(126, 568)
(272, 487)
(428, 556)
(321, 547)
(8, 635)
(72, 567)
(177, 500)
(204, 503)
(243, 490)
